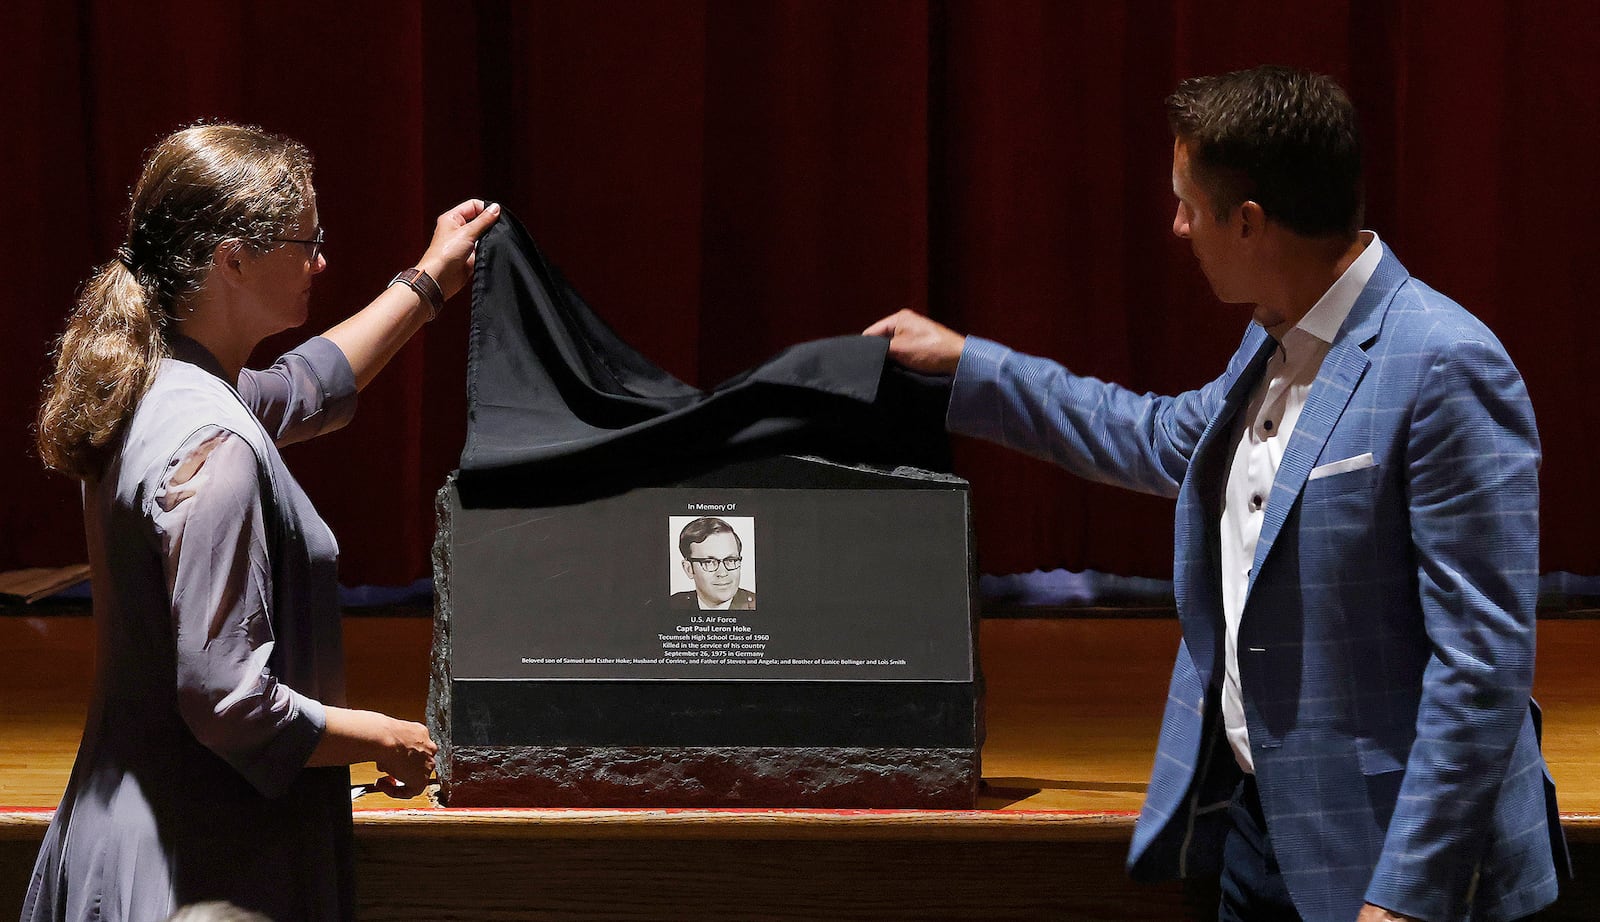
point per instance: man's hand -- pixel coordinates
(1371, 913)
(920, 344)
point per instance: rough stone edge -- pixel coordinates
(438, 714)
(903, 471)
(980, 687)
(639, 776)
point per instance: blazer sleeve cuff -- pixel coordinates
(974, 407)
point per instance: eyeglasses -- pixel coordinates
(314, 242)
(710, 564)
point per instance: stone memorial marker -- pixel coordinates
(646, 596)
(573, 663)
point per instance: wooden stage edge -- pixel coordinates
(746, 825)
(1073, 710)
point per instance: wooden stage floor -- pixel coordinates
(1073, 710)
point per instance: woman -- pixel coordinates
(214, 762)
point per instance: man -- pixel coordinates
(1348, 732)
(712, 556)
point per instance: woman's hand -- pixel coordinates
(403, 750)
(370, 337)
(449, 256)
(409, 761)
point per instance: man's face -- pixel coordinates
(1215, 243)
(721, 583)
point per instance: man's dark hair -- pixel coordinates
(1285, 139)
(703, 528)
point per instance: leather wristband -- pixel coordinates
(424, 285)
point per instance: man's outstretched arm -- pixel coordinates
(1094, 429)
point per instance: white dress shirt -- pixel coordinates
(1261, 431)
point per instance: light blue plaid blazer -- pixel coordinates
(1387, 640)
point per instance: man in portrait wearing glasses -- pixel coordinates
(712, 557)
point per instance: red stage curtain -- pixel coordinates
(722, 179)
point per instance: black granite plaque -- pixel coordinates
(783, 632)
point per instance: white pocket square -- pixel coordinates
(1359, 462)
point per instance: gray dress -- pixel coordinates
(218, 643)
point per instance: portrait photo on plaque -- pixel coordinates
(712, 562)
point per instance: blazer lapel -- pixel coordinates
(1239, 392)
(1330, 394)
(1341, 371)
(1196, 583)
(1252, 358)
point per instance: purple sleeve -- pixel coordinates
(307, 392)
(208, 515)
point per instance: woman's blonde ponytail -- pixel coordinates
(104, 362)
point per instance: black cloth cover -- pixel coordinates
(560, 409)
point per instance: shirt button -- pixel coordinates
(1267, 425)
(1255, 501)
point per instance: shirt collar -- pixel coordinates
(1327, 315)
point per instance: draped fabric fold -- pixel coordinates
(560, 407)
